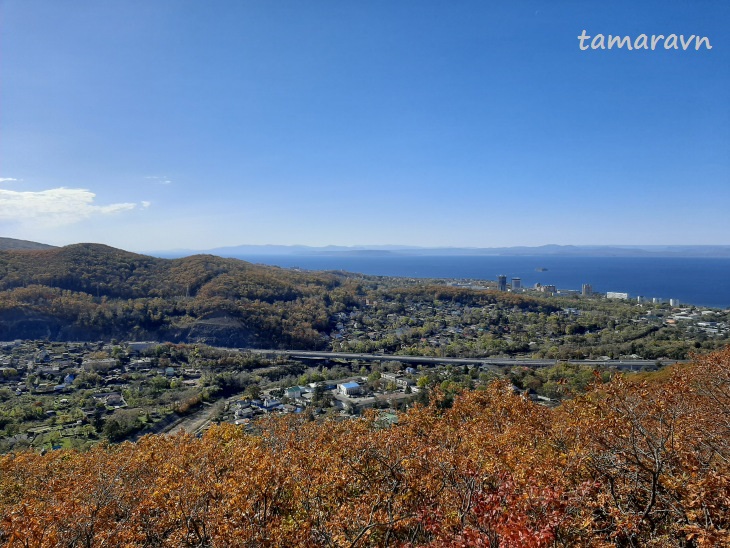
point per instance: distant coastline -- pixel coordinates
(679, 251)
(689, 274)
(699, 281)
(550, 250)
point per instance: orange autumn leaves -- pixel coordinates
(627, 464)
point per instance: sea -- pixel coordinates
(697, 281)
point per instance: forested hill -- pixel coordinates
(88, 291)
(12, 243)
(92, 291)
(113, 273)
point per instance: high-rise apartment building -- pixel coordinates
(502, 283)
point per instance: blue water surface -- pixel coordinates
(699, 281)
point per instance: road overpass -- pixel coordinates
(431, 360)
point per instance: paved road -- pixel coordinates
(499, 362)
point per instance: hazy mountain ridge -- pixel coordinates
(551, 250)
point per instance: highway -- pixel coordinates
(498, 362)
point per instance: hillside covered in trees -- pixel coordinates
(89, 292)
(12, 243)
(630, 463)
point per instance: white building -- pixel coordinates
(349, 388)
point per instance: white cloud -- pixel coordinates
(55, 207)
(146, 204)
(160, 180)
(8, 179)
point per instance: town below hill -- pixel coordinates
(90, 292)
(286, 408)
(66, 394)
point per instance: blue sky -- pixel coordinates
(191, 124)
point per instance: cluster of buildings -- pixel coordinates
(423, 323)
(708, 322)
(39, 367)
(711, 323)
(347, 396)
(641, 299)
(515, 286)
(586, 290)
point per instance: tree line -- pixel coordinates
(629, 463)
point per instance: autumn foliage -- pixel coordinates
(628, 464)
